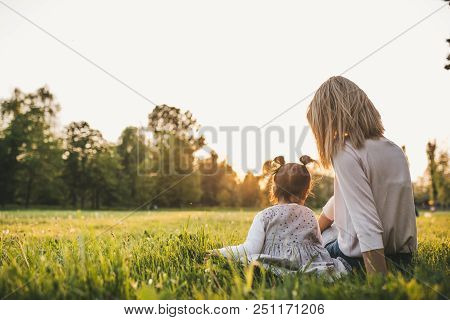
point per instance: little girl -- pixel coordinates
(286, 236)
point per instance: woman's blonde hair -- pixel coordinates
(340, 110)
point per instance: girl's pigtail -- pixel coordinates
(306, 159)
(276, 164)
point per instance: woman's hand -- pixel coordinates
(375, 262)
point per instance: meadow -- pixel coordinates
(160, 255)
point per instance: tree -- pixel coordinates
(448, 41)
(209, 180)
(322, 191)
(447, 66)
(104, 178)
(250, 191)
(83, 145)
(133, 152)
(174, 139)
(227, 195)
(443, 180)
(421, 191)
(431, 155)
(218, 182)
(434, 187)
(29, 148)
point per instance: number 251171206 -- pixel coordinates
(288, 308)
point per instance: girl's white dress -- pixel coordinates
(286, 238)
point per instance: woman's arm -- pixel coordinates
(252, 245)
(324, 222)
(326, 218)
(359, 200)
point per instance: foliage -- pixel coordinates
(134, 151)
(174, 136)
(322, 191)
(448, 41)
(218, 182)
(160, 255)
(87, 160)
(78, 168)
(28, 147)
(434, 187)
(443, 180)
(250, 191)
(431, 155)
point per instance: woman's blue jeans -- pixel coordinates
(399, 260)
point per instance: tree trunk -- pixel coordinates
(97, 199)
(29, 189)
(82, 200)
(74, 199)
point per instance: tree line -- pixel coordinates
(79, 168)
(151, 168)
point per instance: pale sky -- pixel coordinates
(233, 63)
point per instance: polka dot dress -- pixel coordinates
(293, 241)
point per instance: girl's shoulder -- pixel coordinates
(280, 210)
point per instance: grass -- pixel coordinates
(160, 255)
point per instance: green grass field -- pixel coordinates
(160, 255)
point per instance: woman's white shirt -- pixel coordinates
(373, 203)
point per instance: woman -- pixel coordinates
(373, 205)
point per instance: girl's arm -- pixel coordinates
(252, 245)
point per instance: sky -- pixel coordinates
(233, 64)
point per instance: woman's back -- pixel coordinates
(374, 199)
(373, 206)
